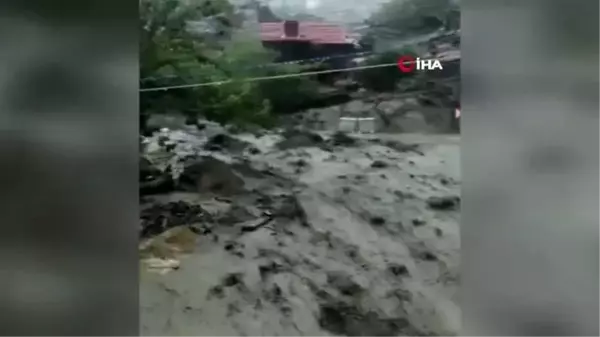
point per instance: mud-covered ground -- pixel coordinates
(301, 234)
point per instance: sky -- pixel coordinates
(312, 4)
(343, 11)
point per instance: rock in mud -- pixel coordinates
(427, 256)
(377, 221)
(300, 138)
(270, 268)
(398, 269)
(235, 214)
(225, 142)
(274, 294)
(216, 291)
(170, 147)
(342, 139)
(401, 147)
(162, 140)
(417, 222)
(254, 151)
(300, 163)
(345, 320)
(147, 170)
(153, 180)
(160, 185)
(444, 203)
(211, 175)
(232, 279)
(291, 208)
(344, 283)
(379, 164)
(235, 248)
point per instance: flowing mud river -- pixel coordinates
(355, 236)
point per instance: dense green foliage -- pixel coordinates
(174, 53)
(412, 17)
(186, 42)
(384, 78)
(396, 21)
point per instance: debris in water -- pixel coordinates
(300, 138)
(342, 139)
(225, 142)
(443, 203)
(161, 266)
(398, 269)
(232, 279)
(211, 175)
(377, 221)
(379, 164)
(158, 218)
(418, 222)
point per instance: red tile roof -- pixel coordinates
(315, 32)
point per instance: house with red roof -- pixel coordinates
(297, 40)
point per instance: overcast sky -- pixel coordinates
(347, 11)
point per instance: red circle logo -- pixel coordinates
(407, 64)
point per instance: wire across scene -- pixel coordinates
(267, 78)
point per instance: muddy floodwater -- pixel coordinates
(319, 236)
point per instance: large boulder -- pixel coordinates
(210, 175)
(153, 180)
(147, 170)
(300, 138)
(225, 142)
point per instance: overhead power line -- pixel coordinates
(273, 77)
(274, 64)
(265, 78)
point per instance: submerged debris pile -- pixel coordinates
(158, 218)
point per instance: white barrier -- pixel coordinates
(367, 125)
(348, 124)
(357, 124)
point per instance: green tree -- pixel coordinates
(173, 54)
(413, 17)
(169, 52)
(384, 79)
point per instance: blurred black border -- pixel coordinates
(69, 161)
